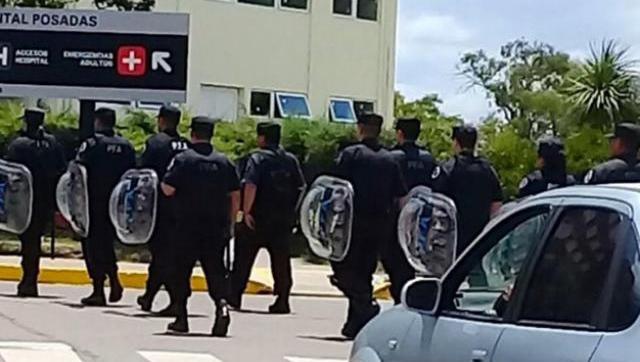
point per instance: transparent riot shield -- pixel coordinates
(133, 206)
(72, 197)
(427, 231)
(326, 217)
(16, 197)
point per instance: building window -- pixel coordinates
(258, 2)
(343, 7)
(261, 104)
(295, 4)
(293, 105)
(362, 107)
(368, 9)
(219, 102)
(341, 110)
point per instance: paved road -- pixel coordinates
(56, 328)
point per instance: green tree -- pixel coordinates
(52, 4)
(604, 90)
(524, 83)
(126, 5)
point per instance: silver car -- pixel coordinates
(556, 278)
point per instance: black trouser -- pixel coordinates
(354, 275)
(396, 265)
(31, 241)
(207, 250)
(277, 241)
(99, 250)
(162, 263)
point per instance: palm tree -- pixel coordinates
(605, 88)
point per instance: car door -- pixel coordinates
(471, 317)
(557, 310)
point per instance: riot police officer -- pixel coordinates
(206, 191)
(273, 183)
(471, 182)
(106, 157)
(378, 185)
(417, 166)
(623, 165)
(159, 151)
(552, 169)
(43, 156)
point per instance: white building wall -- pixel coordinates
(314, 52)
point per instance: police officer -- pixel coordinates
(206, 191)
(43, 156)
(106, 157)
(552, 169)
(417, 166)
(378, 184)
(273, 183)
(623, 165)
(159, 151)
(472, 183)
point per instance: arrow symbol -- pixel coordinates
(159, 60)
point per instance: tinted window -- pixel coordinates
(487, 287)
(296, 4)
(625, 294)
(260, 104)
(291, 105)
(569, 279)
(342, 111)
(363, 107)
(342, 7)
(368, 9)
(258, 2)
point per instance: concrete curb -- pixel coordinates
(130, 280)
(137, 280)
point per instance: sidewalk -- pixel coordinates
(309, 280)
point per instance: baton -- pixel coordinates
(53, 235)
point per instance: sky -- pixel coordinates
(433, 34)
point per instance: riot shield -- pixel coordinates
(16, 197)
(72, 197)
(326, 217)
(427, 231)
(133, 206)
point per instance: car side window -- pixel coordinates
(569, 282)
(491, 276)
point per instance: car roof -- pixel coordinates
(628, 193)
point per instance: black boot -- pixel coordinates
(97, 298)
(281, 306)
(170, 311)
(115, 290)
(27, 290)
(181, 324)
(223, 320)
(145, 303)
(359, 315)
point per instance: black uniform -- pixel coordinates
(203, 179)
(620, 168)
(417, 166)
(472, 183)
(279, 182)
(43, 156)
(540, 181)
(377, 183)
(159, 151)
(106, 157)
(553, 173)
